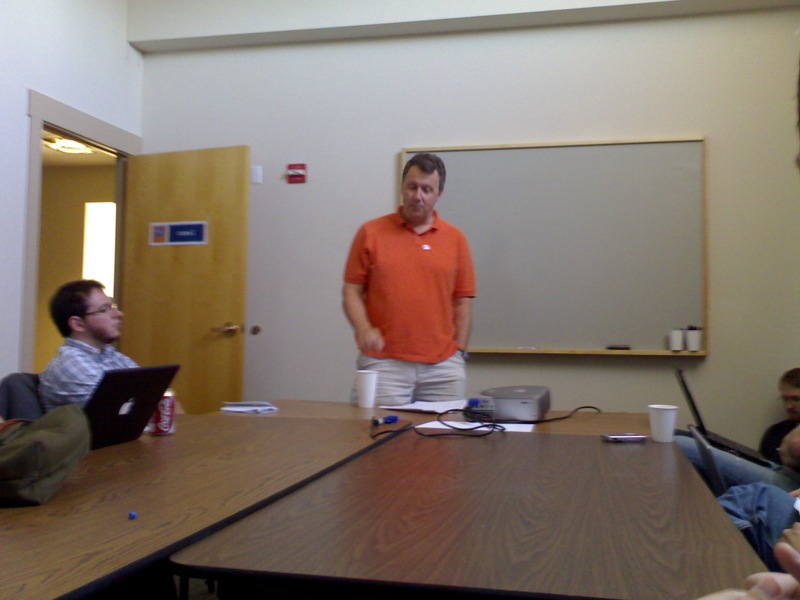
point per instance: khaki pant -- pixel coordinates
(401, 382)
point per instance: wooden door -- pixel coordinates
(178, 299)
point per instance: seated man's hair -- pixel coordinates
(70, 301)
(791, 378)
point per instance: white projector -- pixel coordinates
(514, 403)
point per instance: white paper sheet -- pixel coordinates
(429, 407)
(249, 407)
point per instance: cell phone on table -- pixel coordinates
(624, 437)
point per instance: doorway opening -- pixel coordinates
(77, 225)
(112, 144)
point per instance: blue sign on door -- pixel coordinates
(179, 234)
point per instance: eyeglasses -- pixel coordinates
(103, 309)
(791, 399)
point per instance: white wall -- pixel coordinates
(179, 19)
(348, 108)
(74, 52)
(169, 25)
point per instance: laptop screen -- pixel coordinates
(690, 401)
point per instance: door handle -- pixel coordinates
(228, 329)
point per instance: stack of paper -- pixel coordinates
(429, 407)
(249, 407)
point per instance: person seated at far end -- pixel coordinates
(89, 321)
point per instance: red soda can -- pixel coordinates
(163, 420)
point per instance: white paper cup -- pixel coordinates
(662, 422)
(676, 340)
(694, 339)
(366, 381)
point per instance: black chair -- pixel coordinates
(19, 397)
(713, 476)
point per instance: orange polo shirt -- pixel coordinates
(411, 281)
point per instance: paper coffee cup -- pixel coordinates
(694, 339)
(662, 422)
(366, 382)
(676, 340)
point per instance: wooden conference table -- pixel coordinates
(215, 469)
(518, 514)
(219, 468)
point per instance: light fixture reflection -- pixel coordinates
(68, 146)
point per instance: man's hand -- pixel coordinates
(789, 450)
(369, 339)
(792, 536)
(770, 586)
(762, 586)
(767, 586)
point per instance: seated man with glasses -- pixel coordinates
(89, 321)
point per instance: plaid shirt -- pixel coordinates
(74, 373)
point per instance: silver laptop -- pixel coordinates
(124, 401)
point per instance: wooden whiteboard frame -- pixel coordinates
(643, 351)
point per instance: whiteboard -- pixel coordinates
(581, 246)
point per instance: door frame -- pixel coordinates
(44, 111)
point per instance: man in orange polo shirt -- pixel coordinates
(409, 284)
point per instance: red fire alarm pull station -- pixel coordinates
(296, 173)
